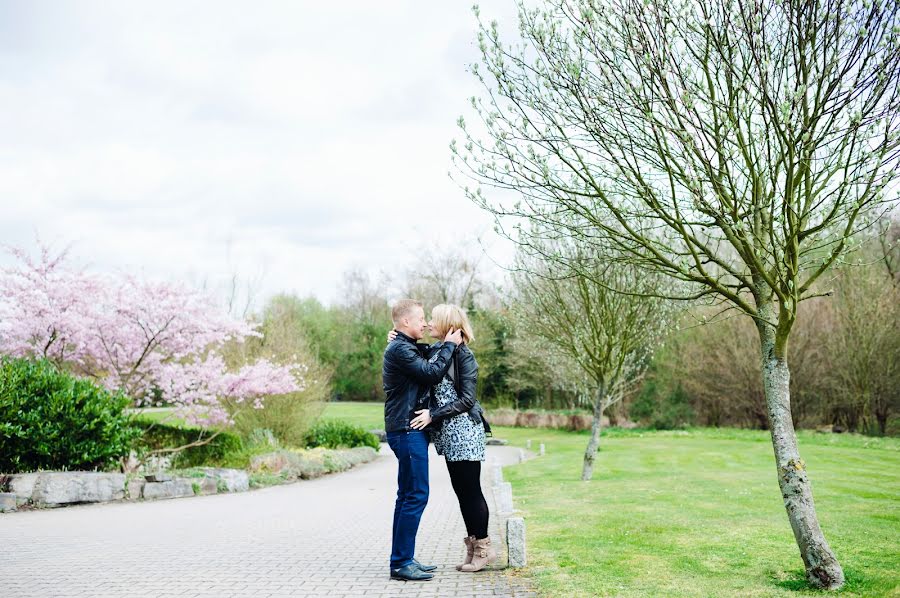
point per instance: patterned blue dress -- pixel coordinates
(458, 438)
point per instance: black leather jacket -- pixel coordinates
(408, 376)
(465, 379)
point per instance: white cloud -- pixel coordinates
(189, 139)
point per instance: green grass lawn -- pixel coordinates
(165, 416)
(368, 415)
(699, 513)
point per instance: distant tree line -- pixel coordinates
(845, 351)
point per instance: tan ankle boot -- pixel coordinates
(470, 550)
(482, 555)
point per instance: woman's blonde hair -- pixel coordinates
(446, 316)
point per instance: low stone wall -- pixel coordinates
(540, 419)
(202, 482)
(50, 489)
(60, 488)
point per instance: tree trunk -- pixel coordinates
(614, 416)
(822, 569)
(881, 416)
(590, 452)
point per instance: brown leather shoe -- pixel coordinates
(482, 555)
(470, 550)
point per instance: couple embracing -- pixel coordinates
(430, 392)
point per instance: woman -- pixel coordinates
(457, 427)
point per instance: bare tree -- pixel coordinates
(363, 313)
(865, 346)
(538, 366)
(717, 367)
(446, 277)
(733, 145)
(889, 242)
(608, 335)
(363, 294)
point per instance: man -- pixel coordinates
(408, 377)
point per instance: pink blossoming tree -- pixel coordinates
(158, 342)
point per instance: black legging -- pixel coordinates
(466, 479)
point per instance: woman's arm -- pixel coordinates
(467, 372)
(426, 349)
(405, 358)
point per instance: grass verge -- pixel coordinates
(698, 513)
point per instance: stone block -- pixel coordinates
(496, 442)
(515, 542)
(68, 487)
(158, 477)
(7, 502)
(135, 488)
(504, 497)
(232, 480)
(381, 434)
(176, 488)
(208, 486)
(22, 485)
(498, 474)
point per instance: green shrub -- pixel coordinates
(52, 420)
(162, 436)
(263, 479)
(292, 464)
(335, 461)
(893, 426)
(334, 433)
(287, 416)
(261, 437)
(360, 454)
(308, 464)
(660, 411)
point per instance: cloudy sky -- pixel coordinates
(287, 140)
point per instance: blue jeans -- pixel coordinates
(411, 449)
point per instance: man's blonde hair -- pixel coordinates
(446, 316)
(402, 309)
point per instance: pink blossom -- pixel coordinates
(156, 341)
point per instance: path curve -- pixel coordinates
(325, 537)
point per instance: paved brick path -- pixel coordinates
(328, 537)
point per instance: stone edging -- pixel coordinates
(48, 489)
(512, 527)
